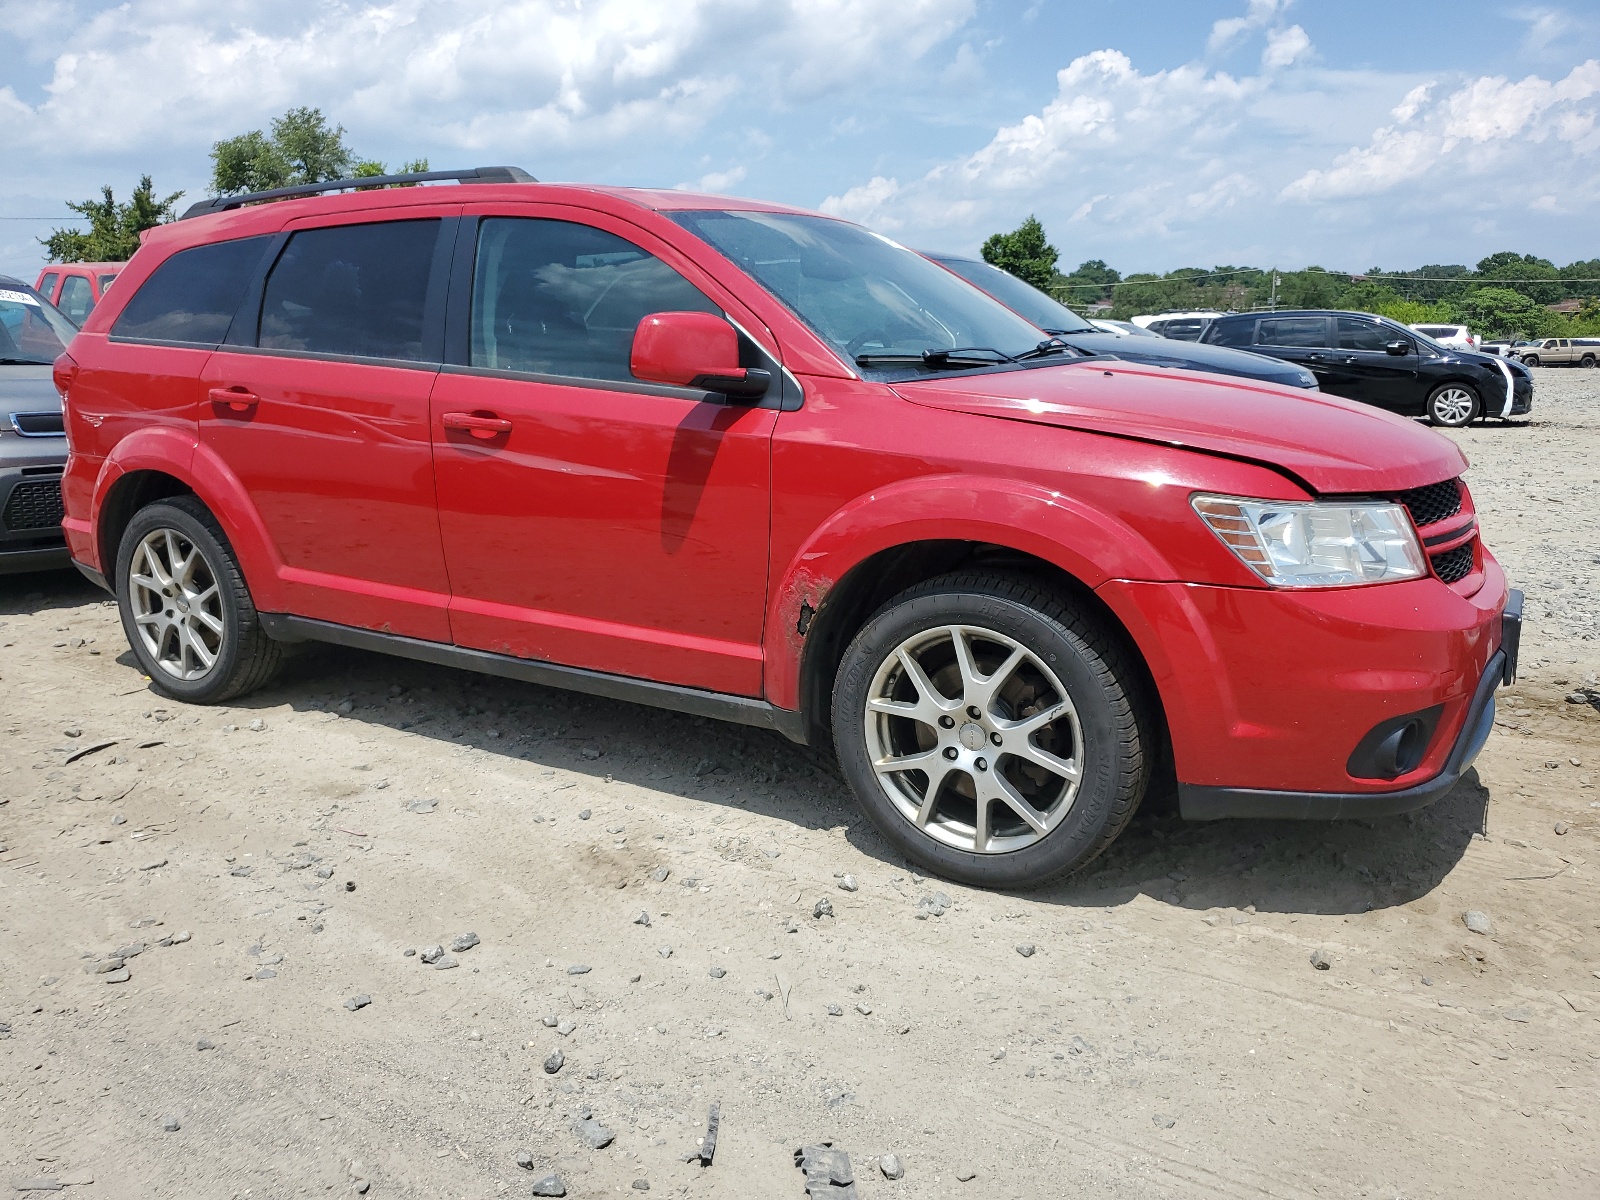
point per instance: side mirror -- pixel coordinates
(696, 350)
(1398, 347)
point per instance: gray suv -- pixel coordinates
(33, 446)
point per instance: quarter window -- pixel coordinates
(1294, 331)
(354, 290)
(77, 301)
(559, 298)
(191, 298)
(1356, 334)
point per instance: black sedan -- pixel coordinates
(1382, 363)
(1056, 318)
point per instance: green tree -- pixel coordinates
(1588, 269)
(1090, 282)
(1311, 288)
(1517, 270)
(1502, 312)
(300, 149)
(1025, 253)
(114, 229)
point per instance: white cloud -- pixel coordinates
(716, 182)
(866, 202)
(1226, 32)
(1285, 46)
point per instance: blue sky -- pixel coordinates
(1153, 135)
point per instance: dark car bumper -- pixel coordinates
(1215, 803)
(30, 506)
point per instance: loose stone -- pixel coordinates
(848, 883)
(891, 1166)
(1026, 949)
(1477, 921)
(555, 1062)
(358, 1002)
(550, 1185)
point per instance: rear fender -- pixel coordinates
(1087, 544)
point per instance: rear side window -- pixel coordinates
(1356, 334)
(1231, 333)
(351, 289)
(77, 301)
(192, 296)
(1293, 331)
(559, 298)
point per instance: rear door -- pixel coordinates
(1361, 368)
(318, 404)
(610, 524)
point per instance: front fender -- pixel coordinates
(1088, 544)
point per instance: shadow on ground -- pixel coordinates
(1277, 866)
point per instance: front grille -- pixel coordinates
(34, 504)
(1434, 503)
(1452, 565)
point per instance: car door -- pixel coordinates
(1361, 367)
(1304, 340)
(595, 521)
(318, 405)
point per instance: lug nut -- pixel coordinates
(947, 722)
(982, 764)
(996, 738)
(974, 713)
(950, 752)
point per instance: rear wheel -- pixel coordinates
(1586, 361)
(993, 733)
(1452, 405)
(185, 607)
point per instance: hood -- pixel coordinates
(1219, 360)
(1333, 446)
(26, 388)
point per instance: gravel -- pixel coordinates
(1477, 921)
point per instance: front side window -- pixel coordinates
(1358, 334)
(1309, 332)
(559, 298)
(192, 296)
(47, 284)
(77, 301)
(30, 332)
(882, 307)
(355, 290)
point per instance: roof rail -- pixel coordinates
(471, 175)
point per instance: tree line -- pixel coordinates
(299, 147)
(1504, 295)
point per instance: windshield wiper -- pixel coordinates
(955, 357)
(1052, 345)
(24, 362)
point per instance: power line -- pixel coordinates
(1354, 278)
(73, 218)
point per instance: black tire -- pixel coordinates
(1445, 408)
(245, 658)
(1586, 361)
(1530, 360)
(1113, 715)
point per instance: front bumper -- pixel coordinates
(30, 505)
(1268, 693)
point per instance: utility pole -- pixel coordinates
(1272, 304)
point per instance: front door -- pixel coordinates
(1361, 367)
(1303, 340)
(322, 414)
(590, 519)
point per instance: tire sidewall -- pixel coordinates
(1477, 405)
(219, 561)
(1080, 833)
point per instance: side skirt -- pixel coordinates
(741, 710)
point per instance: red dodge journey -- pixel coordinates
(764, 465)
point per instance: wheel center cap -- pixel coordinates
(182, 605)
(972, 736)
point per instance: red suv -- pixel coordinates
(764, 465)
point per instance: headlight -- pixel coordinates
(1292, 544)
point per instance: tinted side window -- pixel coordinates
(47, 286)
(1357, 334)
(193, 295)
(351, 289)
(77, 301)
(1231, 333)
(1293, 331)
(558, 298)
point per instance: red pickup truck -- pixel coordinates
(760, 464)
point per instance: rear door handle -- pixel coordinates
(481, 427)
(236, 398)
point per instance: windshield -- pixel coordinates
(1022, 298)
(30, 330)
(870, 299)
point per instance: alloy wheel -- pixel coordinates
(974, 739)
(1453, 406)
(177, 606)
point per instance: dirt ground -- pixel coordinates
(1169, 1038)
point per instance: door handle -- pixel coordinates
(481, 427)
(236, 398)
(1316, 357)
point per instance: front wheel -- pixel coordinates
(992, 731)
(185, 607)
(1452, 405)
(1530, 360)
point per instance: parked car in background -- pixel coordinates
(33, 449)
(1381, 362)
(1056, 318)
(1457, 337)
(764, 465)
(1561, 352)
(1121, 328)
(75, 288)
(1504, 349)
(1180, 326)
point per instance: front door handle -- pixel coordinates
(237, 399)
(484, 428)
(1316, 357)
